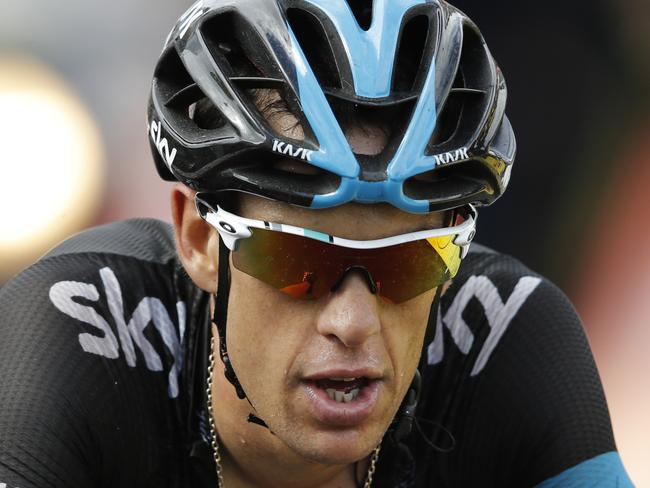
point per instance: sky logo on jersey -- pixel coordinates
(288, 150)
(452, 156)
(155, 132)
(65, 296)
(499, 316)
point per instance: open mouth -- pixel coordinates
(342, 390)
(343, 399)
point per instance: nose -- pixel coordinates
(352, 314)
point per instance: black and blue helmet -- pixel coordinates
(421, 63)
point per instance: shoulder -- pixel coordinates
(144, 239)
(511, 375)
(91, 338)
(506, 291)
(498, 267)
(97, 292)
(125, 247)
(501, 319)
(492, 293)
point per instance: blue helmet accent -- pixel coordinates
(352, 189)
(372, 57)
(334, 153)
(409, 160)
(371, 53)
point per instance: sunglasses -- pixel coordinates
(307, 264)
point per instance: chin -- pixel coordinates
(337, 447)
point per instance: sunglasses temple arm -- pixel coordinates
(464, 239)
(230, 232)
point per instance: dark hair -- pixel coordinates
(273, 107)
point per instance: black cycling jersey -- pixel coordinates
(103, 346)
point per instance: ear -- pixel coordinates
(197, 242)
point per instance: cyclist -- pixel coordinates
(330, 156)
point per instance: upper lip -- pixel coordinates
(368, 373)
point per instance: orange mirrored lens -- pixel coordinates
(306, 268)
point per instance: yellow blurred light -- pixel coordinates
(51, 162)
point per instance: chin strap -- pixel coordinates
(430, 334)
(406, 419)
(220, 317)
(403, 424)
(406, 414)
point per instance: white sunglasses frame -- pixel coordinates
(232, 227)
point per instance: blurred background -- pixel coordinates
(74, 80)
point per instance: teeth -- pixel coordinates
(348, 397)
(342, 397)
(343, 379)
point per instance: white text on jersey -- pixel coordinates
(498, 314)
(131, 333)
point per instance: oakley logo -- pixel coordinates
(227, 227)
(451, 157)
(289, 150)
(67, 296)
(155, 132)
(499, 316)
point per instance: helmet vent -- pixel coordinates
(234, 51)
(171, 76)
(244, 57)
(362, 10)
(447, 122)
(474, 62)
(459, 81)
(278, 177)
(274, 108)
(206, 115)
(410, 52)
(293, 167)
(468, 182)
(317, 48)
(182, 100)
(385, 124)
(466, 103)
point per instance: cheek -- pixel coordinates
(404, 330)
(263, 333)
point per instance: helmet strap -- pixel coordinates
(406, 414)
(430, 333)
(219, 318)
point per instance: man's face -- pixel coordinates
(287, 353)
(284, 350)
